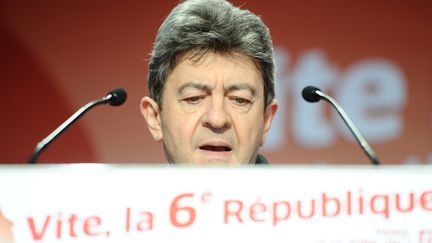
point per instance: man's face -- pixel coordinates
(212, 111)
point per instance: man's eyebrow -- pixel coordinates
(235, 87)
(194, 85)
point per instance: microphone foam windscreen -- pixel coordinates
(310, 95)
(118, 97)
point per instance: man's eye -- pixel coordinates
(193, 100)
(241, 101)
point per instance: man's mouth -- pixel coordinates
(215, 148)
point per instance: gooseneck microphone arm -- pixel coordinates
(115, 98)
(313, 94)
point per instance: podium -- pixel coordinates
(137, 203)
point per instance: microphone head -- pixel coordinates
(310, 95)
(117, 97)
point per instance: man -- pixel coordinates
(211, 85)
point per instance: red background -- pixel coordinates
(58, 55)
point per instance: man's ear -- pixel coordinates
(269, 114)
(151, 113)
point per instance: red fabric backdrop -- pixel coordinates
(58, 55)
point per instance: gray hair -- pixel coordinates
(210, 25)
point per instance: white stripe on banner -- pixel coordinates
(112, 203)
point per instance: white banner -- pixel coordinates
(109, 203)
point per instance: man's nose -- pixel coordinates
(216, 116)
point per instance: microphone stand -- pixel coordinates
(360, 139)
(115, 98)
(313, 94)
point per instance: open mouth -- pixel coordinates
(213, 148)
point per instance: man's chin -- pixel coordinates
(215, 162)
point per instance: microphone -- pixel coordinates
(115, 98)
(313, 94)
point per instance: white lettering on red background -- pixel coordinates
(379, 83)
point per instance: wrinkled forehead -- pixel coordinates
(206, 56)
(212, 66)
(227, 70)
